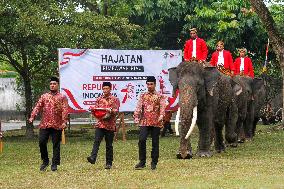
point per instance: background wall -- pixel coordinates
(9, 100)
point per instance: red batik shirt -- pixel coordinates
(149, 108)
(107, 102)
(54, 108)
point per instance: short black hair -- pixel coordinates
(54, 78)
(107, 84)
(151, 79)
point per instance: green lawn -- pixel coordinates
(257, 164)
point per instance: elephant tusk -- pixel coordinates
(177, 122)
(193, 122)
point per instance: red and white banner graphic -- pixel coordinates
(82, 72)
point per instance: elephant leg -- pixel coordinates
(250, 121)
(240, 130)
(219, 140)
(255, 121)
(205, 124)
(231, 121)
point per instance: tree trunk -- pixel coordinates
(276, 40)
(281, 60)
(105, 7)
(29, 104)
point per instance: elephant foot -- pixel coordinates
(220, 150)
(220, 147)
(187, 155)
(241, 140)
(233, 145)
(204, 154)
(248, 139)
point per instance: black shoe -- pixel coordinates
(108, 166)
(53, 167)
(153, 166)
(43, 166)
(91, 160)
(140, 165)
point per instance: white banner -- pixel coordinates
(82, 72)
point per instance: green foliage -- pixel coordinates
(31, 32)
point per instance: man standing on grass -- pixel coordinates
(54, 107)
(149, 114)
(105, 110)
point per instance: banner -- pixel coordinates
(82, 72)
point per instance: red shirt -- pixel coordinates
(54, 109)
(107, 102)
(149, 108)
(201, 49)
(248, 67)
(228, 60)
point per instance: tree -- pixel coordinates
(276, 38)
(31, 31)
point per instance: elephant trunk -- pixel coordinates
(188, 105)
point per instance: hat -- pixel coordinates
(151, 79)
(107, 84)
(101, 113)
(53, 78)
(193, 29)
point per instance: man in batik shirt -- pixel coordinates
(149, 114)
(105, 126)
(54, 108)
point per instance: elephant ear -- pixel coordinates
(173, 77)
(236, 85)
(245, 82)
(211, 76)
(248, 82)
(258, 83)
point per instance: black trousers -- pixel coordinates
(99, 135)
(43, 139)
(155, 132)
(167, 126)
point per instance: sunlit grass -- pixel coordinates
(256, 164)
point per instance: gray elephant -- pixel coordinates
(205, 98)
(259, 94)
(226, 112)
(249, 103)
(243, 101)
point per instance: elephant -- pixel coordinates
(249, 103)
(205, 98)
(225, 113)
(243, 101)
(259, 95)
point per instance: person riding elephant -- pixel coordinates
(222, 59)
(243, 64)
(205, 98)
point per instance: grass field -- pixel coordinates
(256, 164)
